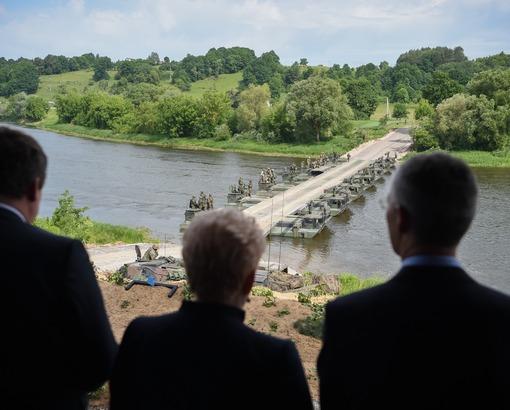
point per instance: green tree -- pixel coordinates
(262, 69)
(423, 140)
(153, 58)
(178, 116)
(142, 92)
(318, 104)
(402, 95)
(495, 84)
(17, 77)
(68, 106)
(101, 110)
(213, 111)
(423, 110)
(279, 125)
(400, 110)
(253, 106)
(101, 67)
(16, 107)
(69, 219)
(362, 97)
(36, 108)
(440, 88)
(470, 122)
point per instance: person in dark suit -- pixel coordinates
(203, 356)
(431, 337)
(56, 343)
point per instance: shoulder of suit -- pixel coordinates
(373, 294)
(41, 234)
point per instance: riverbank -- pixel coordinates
(340, 144)
(478, 159)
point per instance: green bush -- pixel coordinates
(350, 283)
(68, 220)
(261, 291)
(423, 140)
(313, 324)
(36, 108)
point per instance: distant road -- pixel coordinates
(269, 212)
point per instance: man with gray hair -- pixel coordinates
(203, 356)
(431, 337)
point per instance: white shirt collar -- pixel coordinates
(13, 210)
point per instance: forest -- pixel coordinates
(458, 103)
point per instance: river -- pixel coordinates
(147, 186)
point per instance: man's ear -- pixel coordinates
(32, 192)
(248, 283)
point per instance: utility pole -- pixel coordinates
(387, 108)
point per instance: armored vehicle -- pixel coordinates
(250, 201)
(156, 272)
(313, 223)
(288, 226)
(281, 187)
(233, 199)
(189, 214)
(337, 201)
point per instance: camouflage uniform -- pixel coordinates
(151, 253)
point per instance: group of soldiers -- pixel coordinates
(242, 188)
(267, 176)
(204, 203)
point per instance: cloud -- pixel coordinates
(324, 31)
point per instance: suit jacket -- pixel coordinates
(55, 343)
(204, 357)
(430, 338)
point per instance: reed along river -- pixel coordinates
(146, 186)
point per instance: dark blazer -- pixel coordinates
(55, 342)
(430, 338)
(204, 357)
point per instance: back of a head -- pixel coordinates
(220, 248)
(439, 193)
(22, 161)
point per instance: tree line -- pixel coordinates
(314, 109)
(273, 101)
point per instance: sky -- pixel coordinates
(324, 31)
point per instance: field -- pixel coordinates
(224, 83)
(51, 85)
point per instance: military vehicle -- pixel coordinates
(337, 200)
(288, 226)
(314, 222)
(189, 214)
(157, 272)
(281, 187)
(248, 201)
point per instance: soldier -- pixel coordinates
(210, 202)
(151, 253)
(348, 157)
(193, 203)
(202, 201)
(250, 187)
(240, 184)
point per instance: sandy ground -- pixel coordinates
(123, 306)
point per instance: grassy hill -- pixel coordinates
(51, 85)
(224, 82)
